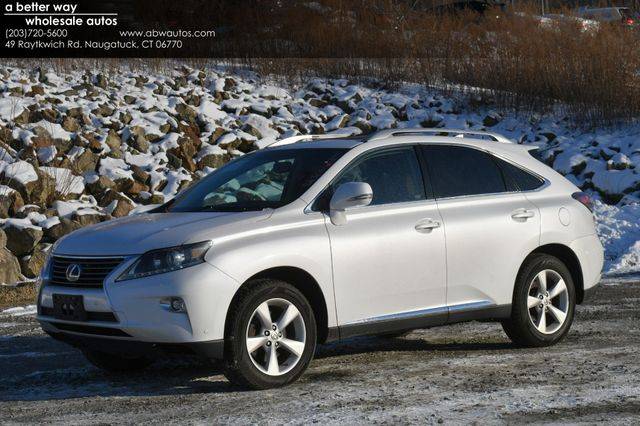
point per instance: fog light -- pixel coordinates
(178, 305)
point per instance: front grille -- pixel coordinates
(93, 271)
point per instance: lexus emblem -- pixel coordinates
(73, 272)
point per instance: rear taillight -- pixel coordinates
(584, 198)
(629, 21)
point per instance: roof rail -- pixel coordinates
(294, 139)
(384, 134)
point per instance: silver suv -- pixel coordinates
(310, 241)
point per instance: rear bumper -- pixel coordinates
(590, 253)
(213, 349)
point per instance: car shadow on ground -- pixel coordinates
(38, 368)
(369, 344)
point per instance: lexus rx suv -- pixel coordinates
(310, 241)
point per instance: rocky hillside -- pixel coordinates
(84, 147)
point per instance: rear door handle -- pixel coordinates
(522, 215)
(427, 225)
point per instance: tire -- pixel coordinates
(525, 327)
(115, 363)
(294, 345)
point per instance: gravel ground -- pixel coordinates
(467, 373)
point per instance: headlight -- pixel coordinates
(166, 260)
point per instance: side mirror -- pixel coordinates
(347, 196)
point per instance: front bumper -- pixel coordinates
(135, 311)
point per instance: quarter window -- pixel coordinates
(457, 171)
(522, 180)
(394, 176)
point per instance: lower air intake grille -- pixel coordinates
(90, 272)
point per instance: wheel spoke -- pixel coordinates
(295, 347)
(273, 367)
(532, 302)
(558, 314)
(559, 288)
(542, 281)
(254, 343)
(542, 322)
(289, 315)
(264, 315)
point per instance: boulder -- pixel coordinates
(86, 219)
(491, 119)
(61, 229)
(35, 90)
(140, 175)
(186, 113)
(101, 81)
(156, 198)
(213, 160)
(9, 267)
(174, 161)
(185, 151)
(70, 124)
(44, 189)
(3, 239)
(104, 110)
(32, 264)
(140, 143)
(10, 202)
(619, 162)
(100, 186)
(113, 141)
(21, 240)
(118, 204)
(134, 188)
(50, 115)
(86, 162)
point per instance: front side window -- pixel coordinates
(458, 171)
(264, 179)
(393, 174)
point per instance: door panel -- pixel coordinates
(488, 237)
(389, 257)
(383, 265)
(489, 228)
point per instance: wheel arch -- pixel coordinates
(567, 256)
(301, 280)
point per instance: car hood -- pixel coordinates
(140, 233)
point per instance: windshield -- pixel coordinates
(263, 179)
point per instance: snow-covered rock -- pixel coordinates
(91, 146)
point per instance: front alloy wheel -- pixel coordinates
(270, 336)
(275, 347)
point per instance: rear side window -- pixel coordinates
(457, 171)
(522, 180)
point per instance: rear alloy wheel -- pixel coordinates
(548, 301)
(270, 336)
(543, 302)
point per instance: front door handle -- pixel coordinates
(427, 225)
(522, 215)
